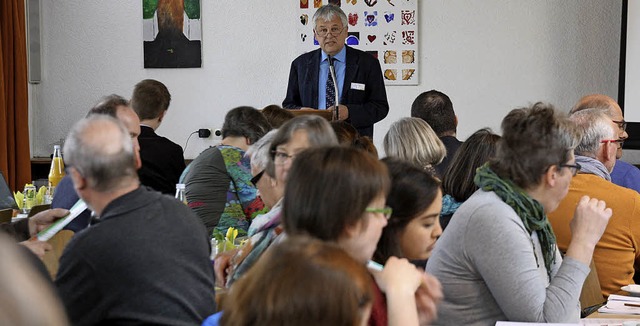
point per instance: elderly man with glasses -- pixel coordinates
(623, 174)
(358, 90)
(617, 253)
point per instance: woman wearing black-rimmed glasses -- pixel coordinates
(498, 258)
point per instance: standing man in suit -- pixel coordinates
(361, 92)
(162, 159)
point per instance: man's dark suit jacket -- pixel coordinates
(162, 161)
(366, 107)
(452, 144)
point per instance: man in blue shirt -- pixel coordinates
(361, 92)
(65, 195)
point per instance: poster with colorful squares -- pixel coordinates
(387, 29)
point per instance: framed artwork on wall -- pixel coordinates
(172, 33)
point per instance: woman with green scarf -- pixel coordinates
(498, 258)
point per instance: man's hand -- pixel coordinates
(37, 247)
(44, 219)
(343, 111)
(587, 226)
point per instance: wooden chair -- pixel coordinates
(5, 215)
(591, 294)
(51, 258)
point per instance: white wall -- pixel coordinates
(489, 56)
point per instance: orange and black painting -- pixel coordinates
(172, 33)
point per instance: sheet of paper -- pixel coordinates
(75, 210)
(513, 323)
(609, 322)
(620, 307)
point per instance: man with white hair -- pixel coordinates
(623, 174)
(146, 261)
(362, 97)
(617, 253)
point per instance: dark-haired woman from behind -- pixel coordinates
(457, 181)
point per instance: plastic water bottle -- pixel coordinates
(180, 193)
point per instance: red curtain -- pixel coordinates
(15, 157)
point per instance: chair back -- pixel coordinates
(38, 208)
(6, 195)
(51, 258)
(5, 215)
(591, 294)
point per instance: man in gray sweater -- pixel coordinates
(147, 259)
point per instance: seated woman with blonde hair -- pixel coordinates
(413, 140)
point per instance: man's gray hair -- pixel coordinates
(327, 13)
(596, 127)
(259, 153)
(104, 157)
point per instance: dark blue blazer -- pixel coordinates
(366, 107)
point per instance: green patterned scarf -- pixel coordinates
(529, 210)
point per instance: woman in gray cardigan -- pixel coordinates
(498, 258)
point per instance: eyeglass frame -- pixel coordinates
(618, 141)
(621, 124)
(285, 156)
(386, 211)
(256, 178)
(329, 32)
(576, 167)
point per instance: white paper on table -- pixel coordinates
(608, 322)
(617, 297)
(618, 307)
(515, 323)
(75, 210)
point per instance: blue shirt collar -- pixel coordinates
(341, 56)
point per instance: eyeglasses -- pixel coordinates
(281, 158)
(386, 211)
(617, 141)
(574, 167)
(256, 178)
(621, 124)
(335, 31)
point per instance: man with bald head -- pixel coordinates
(114, 106)
(146, 261)
(623, 174)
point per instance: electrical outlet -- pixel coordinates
(204, 133)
